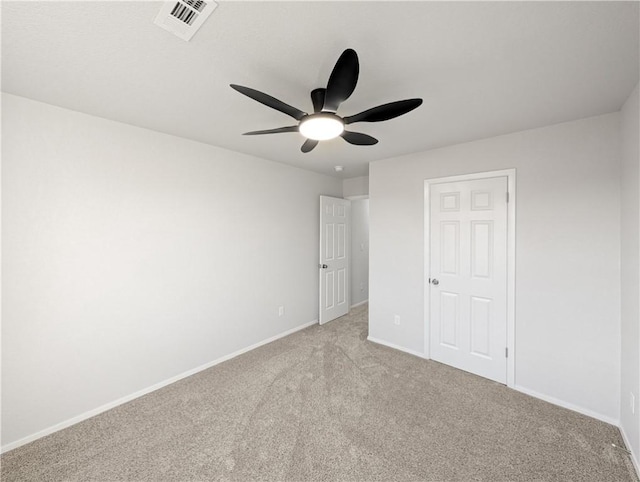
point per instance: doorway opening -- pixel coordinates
(344, 255)
(359, 250)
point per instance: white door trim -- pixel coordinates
(510, 174)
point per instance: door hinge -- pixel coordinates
(506, 352)
(507, 196)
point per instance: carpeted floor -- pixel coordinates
(325, 404)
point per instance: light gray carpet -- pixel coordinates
(325, 404)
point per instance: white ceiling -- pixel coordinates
(483, 69)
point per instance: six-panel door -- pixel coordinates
(468, 258)
(334, 254)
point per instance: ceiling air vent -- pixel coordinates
(183, 18)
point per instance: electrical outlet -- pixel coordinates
(632, 402)
(362, 287)
(280, 310)
(396, 320)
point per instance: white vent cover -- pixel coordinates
(183, 18)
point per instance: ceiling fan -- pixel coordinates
(324, 123)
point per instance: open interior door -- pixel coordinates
(335, 262)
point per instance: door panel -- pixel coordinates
(335, 255)
(449, 319)
(450, 247)
(480, 326)
(481, 249)
(329, 237)
(468, 258)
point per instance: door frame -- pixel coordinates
(510, 174)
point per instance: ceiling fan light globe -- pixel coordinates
(321, 127)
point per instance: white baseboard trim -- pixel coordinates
(108, 406)
(395, 347)
(359, 304)
(526, 391)
(570, 406)
(632, 456)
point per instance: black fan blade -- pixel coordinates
(384, 112)
(317, 97)
(308, 145)
(272, 131)
(343, 80)
(358, 138)
(270, 101)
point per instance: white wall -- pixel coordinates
(132, 256)
(630, 263)
(567, 254)
(355, 187)
(359, 251)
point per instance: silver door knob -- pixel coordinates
(435, 282)
(323, 266)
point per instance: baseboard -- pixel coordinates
(395, 347)
(359, 304)
(108, 406)
(570, 406)
(526, 391)
(632, 456)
